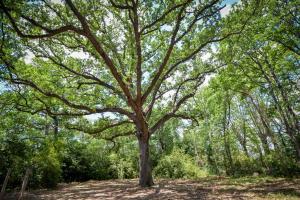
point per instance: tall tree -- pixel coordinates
(134, 63)
(263, 61)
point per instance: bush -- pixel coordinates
(83, 161)
(124, 168)
(281, 165)
(98, 162)
(51, 173)
(47, 168)
(274, 164)
(244, 165)
(178, 165)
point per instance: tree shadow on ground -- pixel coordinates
(168, 189)
(122, 189)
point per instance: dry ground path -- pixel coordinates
(207, 188)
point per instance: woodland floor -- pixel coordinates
(206, 188)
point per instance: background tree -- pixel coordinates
(260, 79)
(268, 71)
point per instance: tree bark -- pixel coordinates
(25, 182)
(5, 184)
(260, 130)
(297, 147)
(145, 178)
(241, 137)
(226, 121)
(55, 121)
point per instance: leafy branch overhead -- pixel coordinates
(114, 57)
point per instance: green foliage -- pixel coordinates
(123, 167)
(244, 165)
(47, 168)
(89, 158)
(86, 159)
(178, 165)
(281, 165)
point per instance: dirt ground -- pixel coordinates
(206, 188)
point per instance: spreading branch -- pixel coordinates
(49, 32)
(88, 33)
(97, 130)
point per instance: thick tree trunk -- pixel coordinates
(145, 179)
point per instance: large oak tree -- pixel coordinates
(134, 63)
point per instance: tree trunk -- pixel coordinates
(5, 184)
(284, 115)
(297, 147)
(226, 121)
(55, 120)
(260, 133)
(25, 182)
(145, 179)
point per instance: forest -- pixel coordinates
(150, 96)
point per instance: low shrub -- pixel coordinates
(178, 165)
(244, 165)
(124, 168)
(46, 168)
(280, 165)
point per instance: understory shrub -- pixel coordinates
(280, 165)
(85, 161)
(124, 168)
(244, 165)
(178, 165)
(273, 164)
(46, 168)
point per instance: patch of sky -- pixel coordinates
(225, 11)
(2, 87)
(96, 116)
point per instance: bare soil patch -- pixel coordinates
(208, 188)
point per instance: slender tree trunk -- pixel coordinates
(241, 137)
(25, 182)
(297, 146)
(226, 121)
(278, 127)
(197, 157)
(260, 133)
(285, 116)
(55, 121)
(210, 153)
(5, 184)
(264, 121)
(244, 139)
(289, 110)
(261, 156)
(145, 179)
